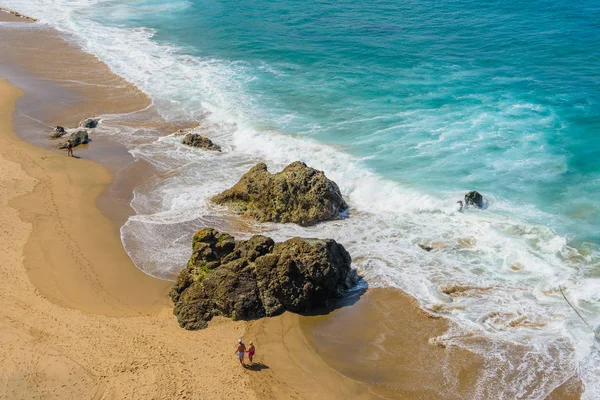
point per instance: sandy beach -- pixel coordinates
(101, 328)
(79, 320)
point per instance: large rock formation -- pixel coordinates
(298, 194)
(195, 140)
(248, 279)
(78, 137)
(89, 123)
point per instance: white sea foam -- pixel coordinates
(513, 268)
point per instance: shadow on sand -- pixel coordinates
(257, 366)
(349, 299)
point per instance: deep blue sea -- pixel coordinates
(407, 105)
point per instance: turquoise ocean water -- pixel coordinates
(407, 105)
(503, 97)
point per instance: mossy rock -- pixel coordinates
(254, 278)
(298, 194)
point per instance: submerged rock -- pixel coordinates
(298, 194)
(78, 137)
(425, 247)
(254, 278)
(89, 123)
(195, 140)
(58, 132)
(474, 198)
(180, 132)
(459, 206)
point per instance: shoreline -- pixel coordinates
(96, 338)
(14, 15)
(79, 320)
(285, 339)
(105, 325)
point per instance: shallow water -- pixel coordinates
(407, 106)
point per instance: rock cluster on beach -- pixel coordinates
(195, 140)
(247, 279)
(298, 194)
(78, 137)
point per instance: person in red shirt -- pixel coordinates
(251, 351)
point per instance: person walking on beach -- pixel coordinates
(69, 148)
(251, 351)
(240, 351)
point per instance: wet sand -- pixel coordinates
(396, 350)
(383, 340)
(83, 322)
(378, 345)
(65, 85)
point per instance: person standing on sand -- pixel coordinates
(251, 351)
(240, 351)
(69, 148)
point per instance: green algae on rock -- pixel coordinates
(254, 278)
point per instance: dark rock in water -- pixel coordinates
(425, 247)
(474, 198)
(298, 194)
(59, 131)
(77, 138)
(254, 278)
(89, 123)
(195, 140)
